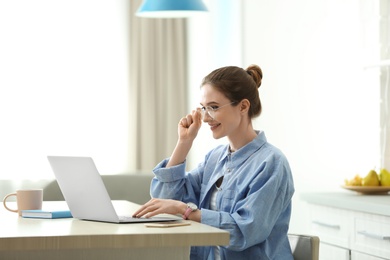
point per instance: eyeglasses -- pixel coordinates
(210, 110)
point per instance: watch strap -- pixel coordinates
(187, 213)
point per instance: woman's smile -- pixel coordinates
(214, 126)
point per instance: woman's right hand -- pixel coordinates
(189, 125)
(188, 129)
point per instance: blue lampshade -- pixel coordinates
(170, 8)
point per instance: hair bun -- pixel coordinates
(256, 73)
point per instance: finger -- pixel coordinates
(143, 212)
(183, 122)
(197, 115)
(189, 120)
(152, 214)
(143, 208)
(149, 212)
(138, 211)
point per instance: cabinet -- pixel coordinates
(332, 226)
(329, 251)
(351, 227)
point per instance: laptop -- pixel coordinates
(86, 194)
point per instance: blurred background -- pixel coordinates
(67, 84)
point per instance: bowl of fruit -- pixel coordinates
(372, 183)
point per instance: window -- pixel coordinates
(63, 84)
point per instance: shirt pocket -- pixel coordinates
(227, 200)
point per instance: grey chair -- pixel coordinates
(304, 247)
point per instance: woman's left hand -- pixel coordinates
(159, 206)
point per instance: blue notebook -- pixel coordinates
(46, 214)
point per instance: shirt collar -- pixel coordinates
(244, 152)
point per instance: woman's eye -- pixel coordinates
(214, 107)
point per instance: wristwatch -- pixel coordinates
(191, 207)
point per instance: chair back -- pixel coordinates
(304, 247)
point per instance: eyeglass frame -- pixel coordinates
(209, 109)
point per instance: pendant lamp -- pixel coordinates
(170, 8)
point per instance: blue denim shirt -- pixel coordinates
(254, 202)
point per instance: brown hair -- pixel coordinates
(238, 84)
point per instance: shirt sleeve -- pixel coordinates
(175, 183)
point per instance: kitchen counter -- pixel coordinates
(373, 204)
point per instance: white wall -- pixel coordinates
(214, 40)
(320, 106)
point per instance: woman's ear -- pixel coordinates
(244, 106)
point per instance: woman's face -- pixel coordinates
(226, 119)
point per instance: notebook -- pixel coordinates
(85, 192)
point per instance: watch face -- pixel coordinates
(192, 206)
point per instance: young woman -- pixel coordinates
(244, 187)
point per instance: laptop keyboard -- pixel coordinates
(125, 218)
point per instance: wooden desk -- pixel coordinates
(23, 238)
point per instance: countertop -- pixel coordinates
(373, 204)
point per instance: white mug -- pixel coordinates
(25, 199)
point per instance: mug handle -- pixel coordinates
(4, 202)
